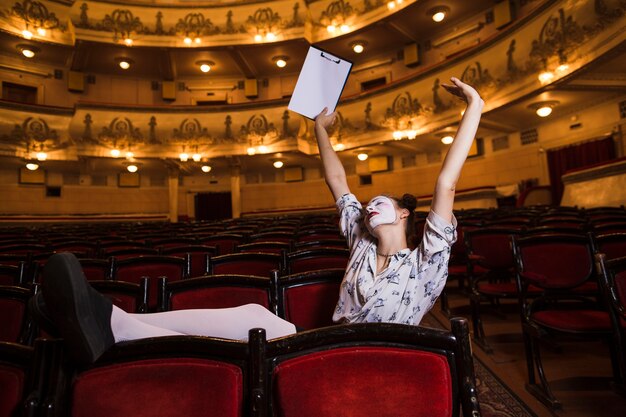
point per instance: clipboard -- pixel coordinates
(320, 83)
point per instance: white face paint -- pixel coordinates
(380, 210)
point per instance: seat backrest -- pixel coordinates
(268, 246)
(15, 378)
(15, 325)
(128, 252)
(612, 278)
(276, 236)
(96, 269)
(328, 372)
(225, 242)
(308, 299)
(80, 248)
(198, 257)
(214, 291)
(249, 263)
(613, 245)
(130, 297)
(493, 246)
(553, 261)
(317, 258)
(13, 274)
(181, 375)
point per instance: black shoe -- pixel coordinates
(82, 315)
(38, 311)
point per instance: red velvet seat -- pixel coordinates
(561, 266)
(17, 396)
(126, 253)
(314, 259)
(249, 263)
(308, 299)
(371, 369)
(171, 242)
(198, 257)
(224, 242)
(612, 245)
(263, 246)
(15, 323)
(276, 236)
(214, 291)
(96, 269)
(166, 376)
(13, 274)
(130, 297)
(152, 267)
(613, 283)
(80, 248)
(310, 244)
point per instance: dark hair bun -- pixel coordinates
(409, 202)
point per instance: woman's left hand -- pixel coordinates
(465, 92)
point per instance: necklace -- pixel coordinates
(384, 255)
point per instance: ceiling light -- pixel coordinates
(205, 66)
(331, 28)
(339, 147)
(41, 156)
(28, 51)
(263, 149)
(115, 153)
(197, 40)
(184, 157)
(271, 37)
(124, 63)
(130, 155)
(546, 77)
(258, 37)
(197, 157)
(446, 140)
(397, 135)
(391, 5)
(31, 166)
(187, 40)
(41, 31)
(206, 168)
(128, 42)
(251, 150)
(278, 164)
(280, 61)
(344, 28)
(562, 68)
(362, 156)
(27, 34)
(132, 168)
(543, 108)
(438, 14)
(358, 47)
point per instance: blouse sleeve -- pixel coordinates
(350, 213)
(439, 236)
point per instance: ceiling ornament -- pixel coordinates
(33, 132)
(259, 134)
(480, 78)
(404, 116)
(191, 132)
(559, 37)
(605, 15)
(337, 13)
(36, 16)
(120, 133)
(122, 23)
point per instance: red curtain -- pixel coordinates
(571, 157)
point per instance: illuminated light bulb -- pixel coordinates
(331, 28)
(41, 31)
(27, 34)
(546, 77)
(128, 41)
(358, 48)
(544, 111)
(344, 28)
(130, 155)
(271, 37)
(411, 134)
(263, 149)
(187, 40)
(397, 135)
(115, 153)
(205, 68)
(197, 40)
(28, 53)
(399, 1)
(196, 157)
(439, 16)
(446, 140)
(31, 166)
(281, 63)
(124, 65)
(41, 156)
(251, 150)
(132, 168)
(391, 5)
(184, 157)
(339, 147)
(362, 156)
(206, 168)
(258, 38)
(562, 68)
(278, 164)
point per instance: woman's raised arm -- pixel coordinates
(443, 198)
(334, 174)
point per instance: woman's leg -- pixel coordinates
(125, 327)
(227, 323)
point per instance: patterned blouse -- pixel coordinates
(407, 288)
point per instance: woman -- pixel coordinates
(385, 281)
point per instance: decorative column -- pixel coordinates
(235, 190)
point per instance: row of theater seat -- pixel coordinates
(364, 369)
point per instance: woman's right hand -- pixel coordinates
(325, 120)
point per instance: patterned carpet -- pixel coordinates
(496, 399)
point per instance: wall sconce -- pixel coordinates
(546, 77)
(41, 156)
(197, 157)
(358, 46)
(28, 51)
(115, 153)
(27, 34)
(124, 63)
(409, 134)
(543, 108)
(205, 66)
(280, 61)
(183, 156)
(32, 166)
(438, 14)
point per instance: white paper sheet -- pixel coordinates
(320, 83)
